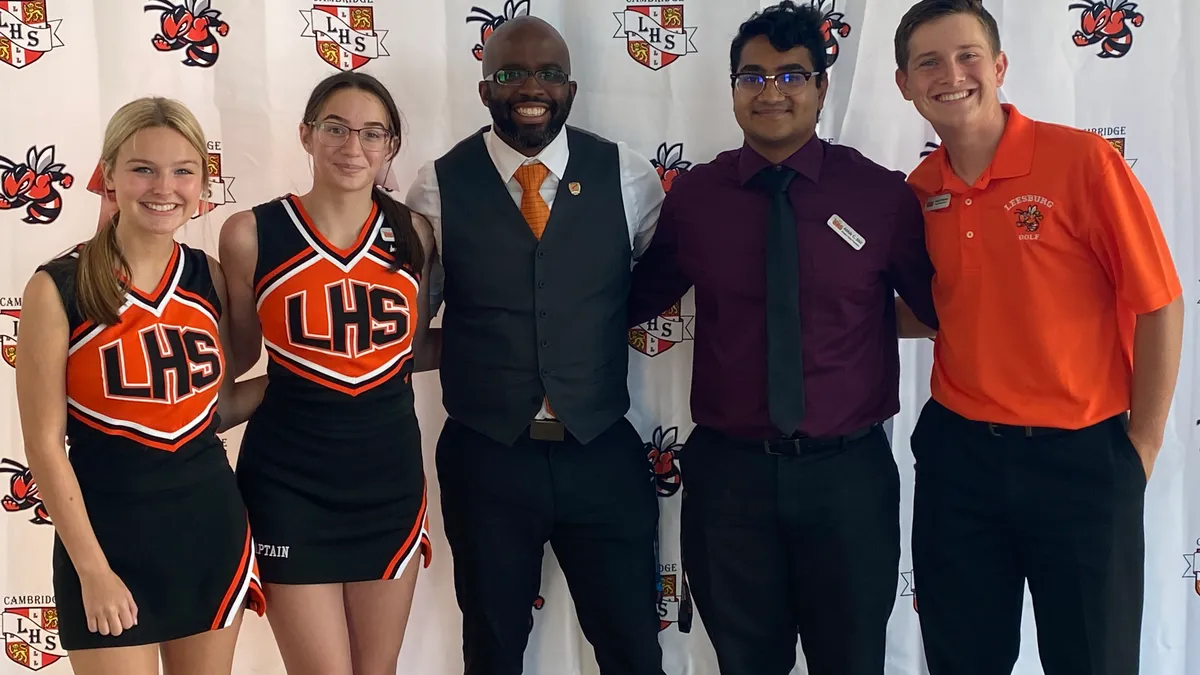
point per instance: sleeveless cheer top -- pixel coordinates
(142, 394)
(338, 328)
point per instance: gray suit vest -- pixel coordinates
(526, 318)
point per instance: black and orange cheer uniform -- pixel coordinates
(331, 466)
(141, 435)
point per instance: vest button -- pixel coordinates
(541, 254)
(545, 343)
(541, 284)
(543, 314)
(545, 373)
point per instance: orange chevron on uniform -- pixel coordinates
(341, 318)
(154, 376)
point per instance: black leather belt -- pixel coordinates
(547, 430)
(1016, 431)
(804, 445)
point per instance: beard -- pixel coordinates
(525, 136)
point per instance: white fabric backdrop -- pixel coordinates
(68, 64)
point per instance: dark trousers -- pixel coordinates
(995, 508)
(596, 506)
(774, 546)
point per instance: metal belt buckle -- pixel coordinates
(547, 430)
(794, 443)
(992, 428)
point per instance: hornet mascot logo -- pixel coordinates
(30, 185)
(189, 26)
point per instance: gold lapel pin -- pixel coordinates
(574, 188)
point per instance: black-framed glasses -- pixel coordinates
(335, 135)
(515, 77)
(787, 84)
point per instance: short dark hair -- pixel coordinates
(787, 26)
(926, 11)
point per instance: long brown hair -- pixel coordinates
(101, 280)
(409, 250)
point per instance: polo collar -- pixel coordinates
(1013, 158)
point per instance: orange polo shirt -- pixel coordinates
(1041, 268)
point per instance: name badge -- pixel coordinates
(386, 234)
(846, 232)
(938, 202)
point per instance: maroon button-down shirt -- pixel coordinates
(711, 235)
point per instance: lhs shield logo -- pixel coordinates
(344, 33)
(654, 33)
(26, 32)
(10, 319)
(31, 636)
(218, 183)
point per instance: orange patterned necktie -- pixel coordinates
(533, 207)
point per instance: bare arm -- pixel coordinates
(42, 401)
(237, 400)
(427, 343)
(907, 323)
(238, 250)
(1157, 342)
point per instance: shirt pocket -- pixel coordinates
(836, 271)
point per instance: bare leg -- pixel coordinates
(377, 614)
(309, 623)
(139, 660)
(209, 653)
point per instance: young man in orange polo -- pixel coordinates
(1055, 363)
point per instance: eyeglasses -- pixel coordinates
(513, 77)
(335, 135)
(788, 84)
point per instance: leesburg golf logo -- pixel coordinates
(26, 32)
(344, 33)
(654, 32)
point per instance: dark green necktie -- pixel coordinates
(785, 367)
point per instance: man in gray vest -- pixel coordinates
(536, 225)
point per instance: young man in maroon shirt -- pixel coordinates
(796, 248)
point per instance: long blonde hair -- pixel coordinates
(103, 274)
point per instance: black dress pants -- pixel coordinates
(996, 507)
(779, 545)
(596, 506)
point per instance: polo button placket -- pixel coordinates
(972, 253)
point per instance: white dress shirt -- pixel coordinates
(641, 193)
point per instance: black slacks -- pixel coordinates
(995, 508)
(594, 503)
(778, 545)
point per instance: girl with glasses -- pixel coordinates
(331, 282)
